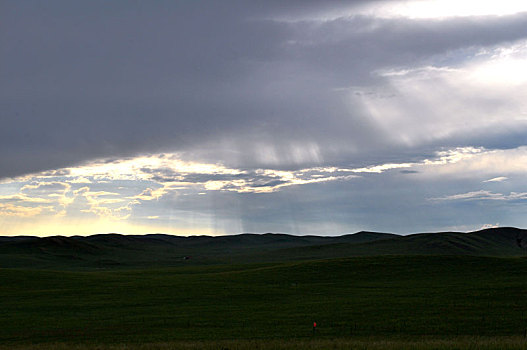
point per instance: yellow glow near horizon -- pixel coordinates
(67, 227)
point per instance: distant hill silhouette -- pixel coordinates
(116, 250)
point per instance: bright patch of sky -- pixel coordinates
(414, 9)
(451, 8)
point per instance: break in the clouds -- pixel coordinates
(220, 117)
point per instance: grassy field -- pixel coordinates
(470, 343)
(398, 299)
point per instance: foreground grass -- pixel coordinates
(466, 343)
(422, 298)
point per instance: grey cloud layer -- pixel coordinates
(316, 117)
(221, 81)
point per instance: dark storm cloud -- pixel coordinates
(230, 82)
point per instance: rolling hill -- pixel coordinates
(115, 250)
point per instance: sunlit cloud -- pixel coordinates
(45, 188)
(80, 180)
(448, 8)
(413, 9)
(103, 204)
(477, 163)
(150, 194)
(381, 168)
(23, 198)
(497, 179)
(483, 195)
(433, 103)
(8, 209)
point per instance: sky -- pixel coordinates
(300, 117)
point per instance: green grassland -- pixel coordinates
(465, 343)
(403, 301)
(365, 291)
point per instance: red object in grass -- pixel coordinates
(314, 325)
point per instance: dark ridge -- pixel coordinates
(488, 242)
(16, 238)
(117, 250)
(50, 243)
